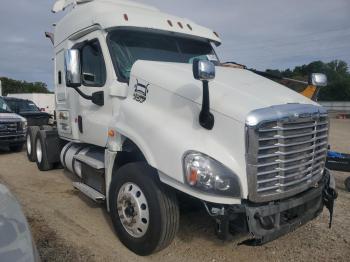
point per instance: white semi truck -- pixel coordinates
(145, 111)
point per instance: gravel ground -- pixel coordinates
(69, 227)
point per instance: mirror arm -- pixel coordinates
(206, 118)
(87, 97)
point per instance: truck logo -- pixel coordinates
(141, 92)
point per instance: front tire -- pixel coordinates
(30, 142)
(347, 184)
(144, 212)
(41, 156)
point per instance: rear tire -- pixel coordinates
(144, 212)
(347, 184)
(16, 148)
(30, 141)
(41, 157)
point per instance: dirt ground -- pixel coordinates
(69, 227)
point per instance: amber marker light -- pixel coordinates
(111, 133)
(192, 178)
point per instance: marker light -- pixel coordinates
(111, 133)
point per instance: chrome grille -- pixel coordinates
(286, 154)
(9, 128)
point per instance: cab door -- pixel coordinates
(93, 120)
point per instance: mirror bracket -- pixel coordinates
(205, 71)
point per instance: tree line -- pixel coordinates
(11, 86)
(338, 88)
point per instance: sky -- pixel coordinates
(269, 34)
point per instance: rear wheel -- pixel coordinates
(16, 148)
(41, 156)
(144, 212)
(347, 184)
(30, 140)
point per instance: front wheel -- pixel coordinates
(41, 154)
(145, 214)
(30, 140)
(347, 184)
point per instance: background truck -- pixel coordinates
(45, 102)
(146, 112)
(13, 128)
(28, 110)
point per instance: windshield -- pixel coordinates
(4, 108)
(128, 46)
(22, 106)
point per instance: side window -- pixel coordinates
(92, 64)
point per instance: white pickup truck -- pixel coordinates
(146, 110)
(13, 128)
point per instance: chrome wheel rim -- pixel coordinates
(133, 210)
(29, 144)
(39, 152)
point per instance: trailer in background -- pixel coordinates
(46, 102)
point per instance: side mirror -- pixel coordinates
(98, 98)
(72, 67)
(203, 70)
(318, 79)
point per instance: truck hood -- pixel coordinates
(234, 92)
(10, 117)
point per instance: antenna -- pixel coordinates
(60, 5)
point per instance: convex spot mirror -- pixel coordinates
(318, 79)
(203, 70)
(72, 67)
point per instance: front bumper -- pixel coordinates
(266, 222)
(12, 139)
(269, 222)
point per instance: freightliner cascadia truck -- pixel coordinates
(147, 112)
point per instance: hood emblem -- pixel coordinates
(141, 91)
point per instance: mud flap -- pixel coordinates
(329, 195)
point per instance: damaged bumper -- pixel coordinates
(269, 221)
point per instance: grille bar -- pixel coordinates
(295, 182)
(293, 152)
(294, 144)
(279, 169)
(278, 128)
(293, 136)
(279, 161)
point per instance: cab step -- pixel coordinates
(90, 192)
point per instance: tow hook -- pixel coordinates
(221, 219)
(266, 223)
(329, 195)
(222, 227)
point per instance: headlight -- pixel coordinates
(207, 174)
(24, 125)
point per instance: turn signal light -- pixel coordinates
(111, 133)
